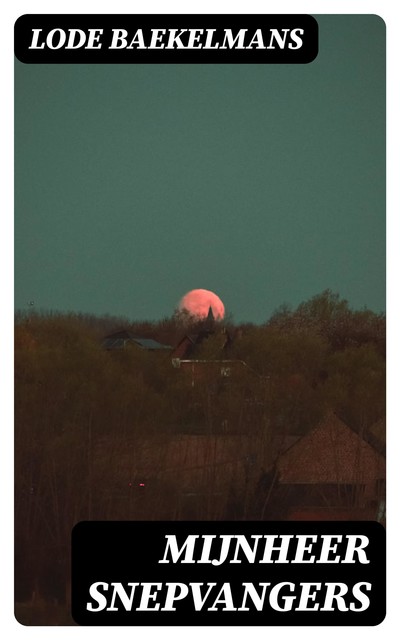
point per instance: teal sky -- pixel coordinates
(263, 183)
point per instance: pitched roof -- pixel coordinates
(119, 340)
(330, 453)
(149, 343)
(186, 346)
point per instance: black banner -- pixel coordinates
(228, 573)
(263, 39)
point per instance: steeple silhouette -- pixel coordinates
(209, 322)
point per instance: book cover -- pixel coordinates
(200, 312)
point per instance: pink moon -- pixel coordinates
(198, 302)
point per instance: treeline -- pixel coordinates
(71, 395)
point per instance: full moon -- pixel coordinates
(198, 302)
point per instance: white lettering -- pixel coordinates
(126, 600)
(174, 38)
(295, 37)
(360, 596)
(352, 549)
(283, 549)
(258, 40)
(288, 600)
(194, 38)
(176, 591)
(224, 597)
(250, 590)
(100, 599)
(327, 547)
(35, 38)
(119, 39)
(156, 36)
(302, 547)
(275, 35)
(331, 595)
(306, 596)
(94, 36)
(172, 547)
(232, 41)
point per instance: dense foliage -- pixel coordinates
(71, 395)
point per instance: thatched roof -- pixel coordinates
(330, 453)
